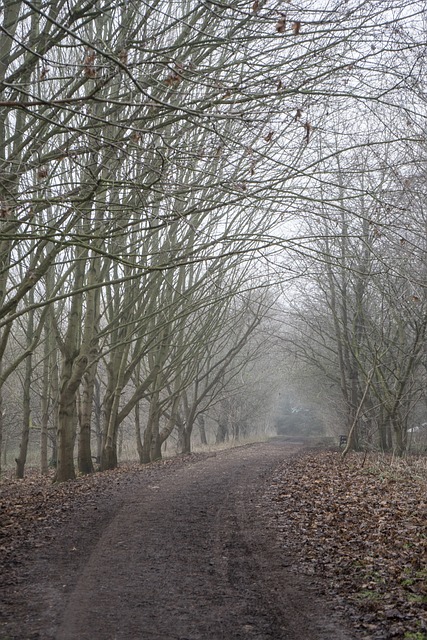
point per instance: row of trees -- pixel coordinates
(154, 158)
(359, 321)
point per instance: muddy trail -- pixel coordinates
(184, 552)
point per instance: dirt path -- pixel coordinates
(184, 553)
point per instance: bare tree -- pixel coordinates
(136, 140)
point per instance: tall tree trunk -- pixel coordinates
(184, 441)
(84, 457)
(144, 457)
(26, 400)
(109, 458)
(400, 436)
(202, 429)
(151, 447)
(26, 417)
(97, 408)
(236, 430)
(384, 430)
(222, 432)
(72, 372)
(382, 436)
(116, 382)
(154, 420)
(389, 436)
(89, 346)
(66, 438)
(108, 453)
(120, 437)
(54, 394)
(139, 446)
(185, 428)
(45, 408)
(172, 422)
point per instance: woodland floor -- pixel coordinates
(268, 541)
